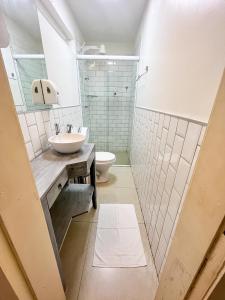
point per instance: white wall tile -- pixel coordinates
(40, 123)
(193, 164)
(155, 242)
(158, 261)
(45, 115)
(183, 198)
(166, 121)
(44, 142)
(166, 158)
(24, 128)
(56, 113)
(164, 204)
(182, 127)
(163, 140)
(172, 131)
(159, 224)
(160, 253)
(202, 135)
(170, 180)
(161, 179)
(167, 227)
(153, 219)
(191, 141)
(40, 130)
(35, 138)
(48, 129)
(157, 204)
(181, 176)
(174, 203)
(161, 184)
(159, 164)
(161, 119)
(176, 151)
(121, 108)
(30, 118)
(30, 150)
(150, 233)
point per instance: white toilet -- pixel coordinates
(104, 161)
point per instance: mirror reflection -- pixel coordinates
(24, 58)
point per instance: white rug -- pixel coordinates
(118, 241)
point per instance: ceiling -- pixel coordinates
(115, 21)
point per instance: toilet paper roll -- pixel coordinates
(50, 92)
(37, 93)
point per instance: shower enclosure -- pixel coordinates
(107, 95)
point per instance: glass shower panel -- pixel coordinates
(107, 95)
(94, 102)
(121, 83)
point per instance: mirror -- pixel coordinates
(24, 57)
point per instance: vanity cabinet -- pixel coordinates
(62, 200)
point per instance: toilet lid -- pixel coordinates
(105, 156)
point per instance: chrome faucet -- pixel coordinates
(57, 128)
(69, 128)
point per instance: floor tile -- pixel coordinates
(113, 195)
(122, 158)
(116, 194)
(119, 177)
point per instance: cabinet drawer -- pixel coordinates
(56, 188)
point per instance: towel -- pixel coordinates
(118, 241)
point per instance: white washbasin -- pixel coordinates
(67, 142)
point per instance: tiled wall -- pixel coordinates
(107, 93)
(38, 126)
(164, 150)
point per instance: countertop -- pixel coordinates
(48, 166)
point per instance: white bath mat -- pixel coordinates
(118, 241)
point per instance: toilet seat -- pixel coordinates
(105, 157)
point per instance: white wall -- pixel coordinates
(183, 42)
(21, 40)
(60, 63)
(66, 15)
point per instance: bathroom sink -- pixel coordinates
(67, 142)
